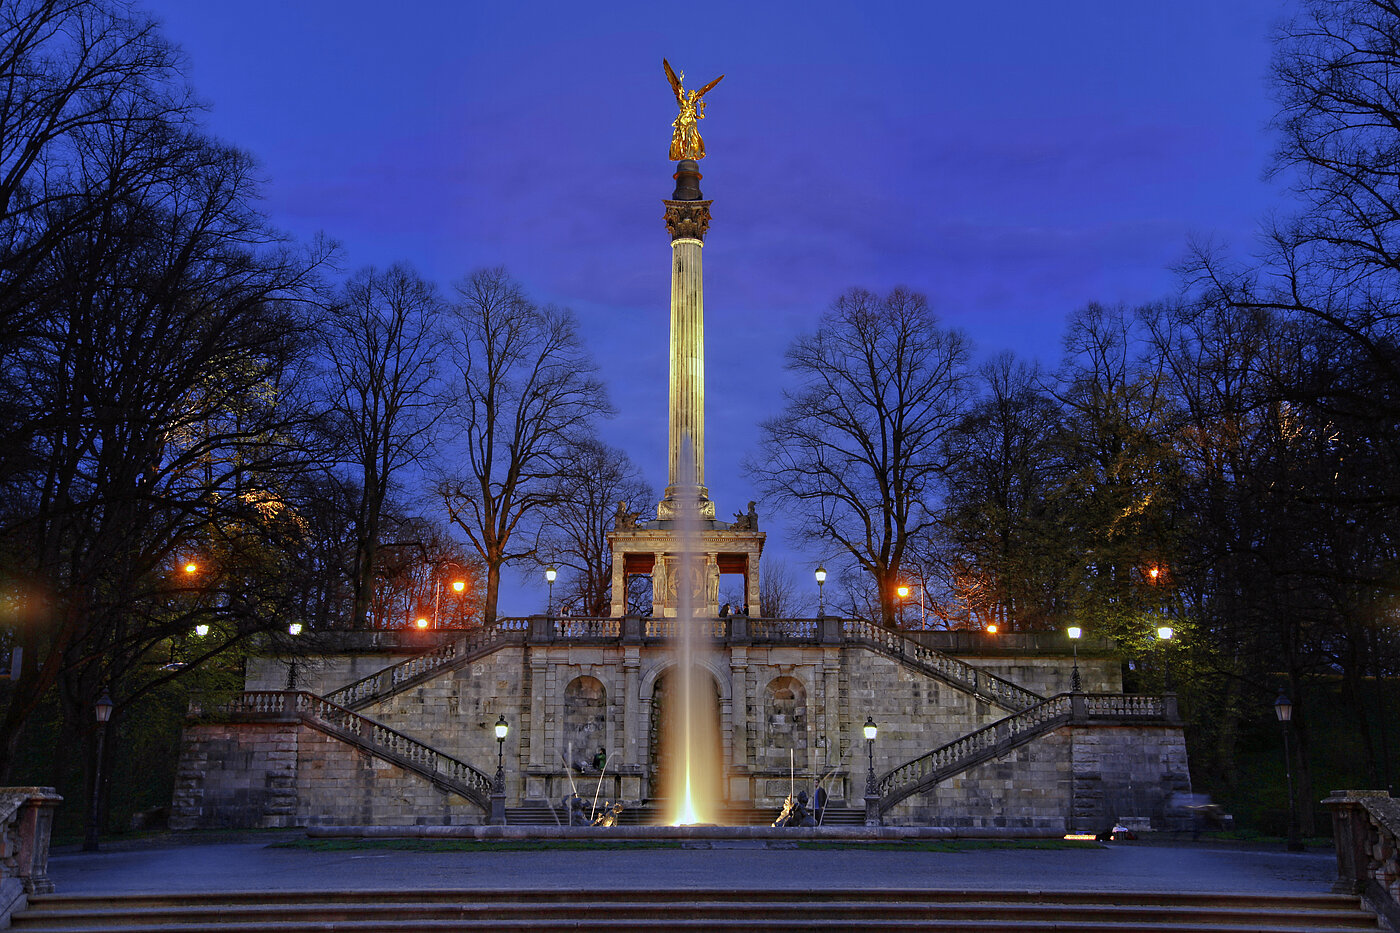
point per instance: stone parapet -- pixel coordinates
(1366, 833)
(26, 825)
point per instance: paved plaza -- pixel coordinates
(1141, 866)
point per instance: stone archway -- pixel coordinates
(663, 718)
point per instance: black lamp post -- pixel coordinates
(498, 786)
(821, 581)
(872, 787)
(1283, 709)
(103, 711)
(549, 574)
(1075, 684)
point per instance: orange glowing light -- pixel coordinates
(191, 567)
(992, 629)
(903, 591)
(1153, 573)
(421, 622)
(459, 585)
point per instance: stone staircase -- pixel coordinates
(426, 665)
(936, 664)
(997, 739)
(1031, 715)
(478, 643)
(377, 739)
(544, 911)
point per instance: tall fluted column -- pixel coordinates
(687, 219)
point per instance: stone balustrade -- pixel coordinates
(26, 821)
(1366, 832)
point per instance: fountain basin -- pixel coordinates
(680, 833)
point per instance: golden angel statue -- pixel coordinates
(685, 139)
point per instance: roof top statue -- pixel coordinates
(685, 139)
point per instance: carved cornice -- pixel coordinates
(687, 218)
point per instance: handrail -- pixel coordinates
(390, 744)
(945, 667)
(585, 627)
(761, 629)
(997, 738)
(389, 680)
(668, 627)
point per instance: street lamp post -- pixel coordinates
(457, 587)
(902, 591)
(1283, 709)
(1164, 635)
(498, 786)
(821, 582)
(103, 712)
(549, 574)
(1075, 685)
(872, 787)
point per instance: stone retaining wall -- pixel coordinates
(802, 702)
(246, 775)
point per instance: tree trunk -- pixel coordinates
(493, 592)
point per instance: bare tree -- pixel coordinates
(860, 450)
(525, 391)
(381, 348)
(777, 593)
(593, 479)
(1000, 556)
(153, 341)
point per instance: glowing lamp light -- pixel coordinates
(103, 709)
(1074, 631)
(201, 629)
(821, 574)
(1283, 707)
(1165, 632)
(550, 573)
(1154, 573)
(459, 585)
(903, 591)
(870, 728)
(502, 728)
(421, 622)
(294, 628)
(191, 567)
(992, 629)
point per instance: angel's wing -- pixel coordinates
(671, 76)
(710, 85)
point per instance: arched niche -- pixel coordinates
(784, 738)
(584, 725)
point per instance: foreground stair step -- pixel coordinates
(547, 910)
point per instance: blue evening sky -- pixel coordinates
(1014, 161)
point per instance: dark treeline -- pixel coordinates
(210, 434)
(1225, 463)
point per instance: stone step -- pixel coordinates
(757, 910)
